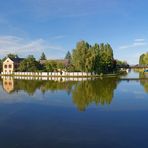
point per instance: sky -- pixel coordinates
(55, 26)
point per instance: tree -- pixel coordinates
(143, 59)
(106, 58)
(79, 55)
(121, 64)
(43, 56)
(68, 55)
(92, 62)
(11, 56)
(1, 65)
(97, 58)
(29, 65)
(51, 66)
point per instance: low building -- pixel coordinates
(10, 65)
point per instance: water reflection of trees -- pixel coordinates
(144, 82)
(98, 92)
(32, 85)
(83, 93)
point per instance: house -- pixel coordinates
(10, 65)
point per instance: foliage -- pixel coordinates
(143, 59)
(11, 56)
(144, 82)
(1, 65)
(43, 56)
(68, 55)
(97, 58)
(29, 65)
(85, 58)
(54, 65)
(83, 93)
(98, 92)
(79, 55)
(121, 64)
(44, 86)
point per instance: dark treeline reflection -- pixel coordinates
(144, 82)
(31, 86)
(83, 93)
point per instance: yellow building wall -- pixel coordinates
(8, 66)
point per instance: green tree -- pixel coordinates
(93, 59)
(106, 58)
(11, 56)
(43, 56)
(97, 58)
(51, 66)
(79, 55)
(29, 65)
(143, 60)
(1, 65)
(68, 55)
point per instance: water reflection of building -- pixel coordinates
(8, 84)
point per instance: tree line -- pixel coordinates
(97, 58)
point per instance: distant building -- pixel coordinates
(11, 64)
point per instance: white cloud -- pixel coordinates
(137, 43)
(18, 45)
(139, 40)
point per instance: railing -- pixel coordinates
(59, 79)
(51, 74)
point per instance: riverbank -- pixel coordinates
(58, 74)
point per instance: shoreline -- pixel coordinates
(63, 76)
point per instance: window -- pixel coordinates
(10, 66)
(5, 66)
(10, 71)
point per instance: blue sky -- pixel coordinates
(54, 26)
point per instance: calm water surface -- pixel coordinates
(101, 113)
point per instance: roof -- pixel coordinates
(15, 60)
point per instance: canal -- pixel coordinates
(103, 112)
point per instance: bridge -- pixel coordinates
(139, 66)
(133, 79)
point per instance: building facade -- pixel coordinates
(11, 65)
(8, 66)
